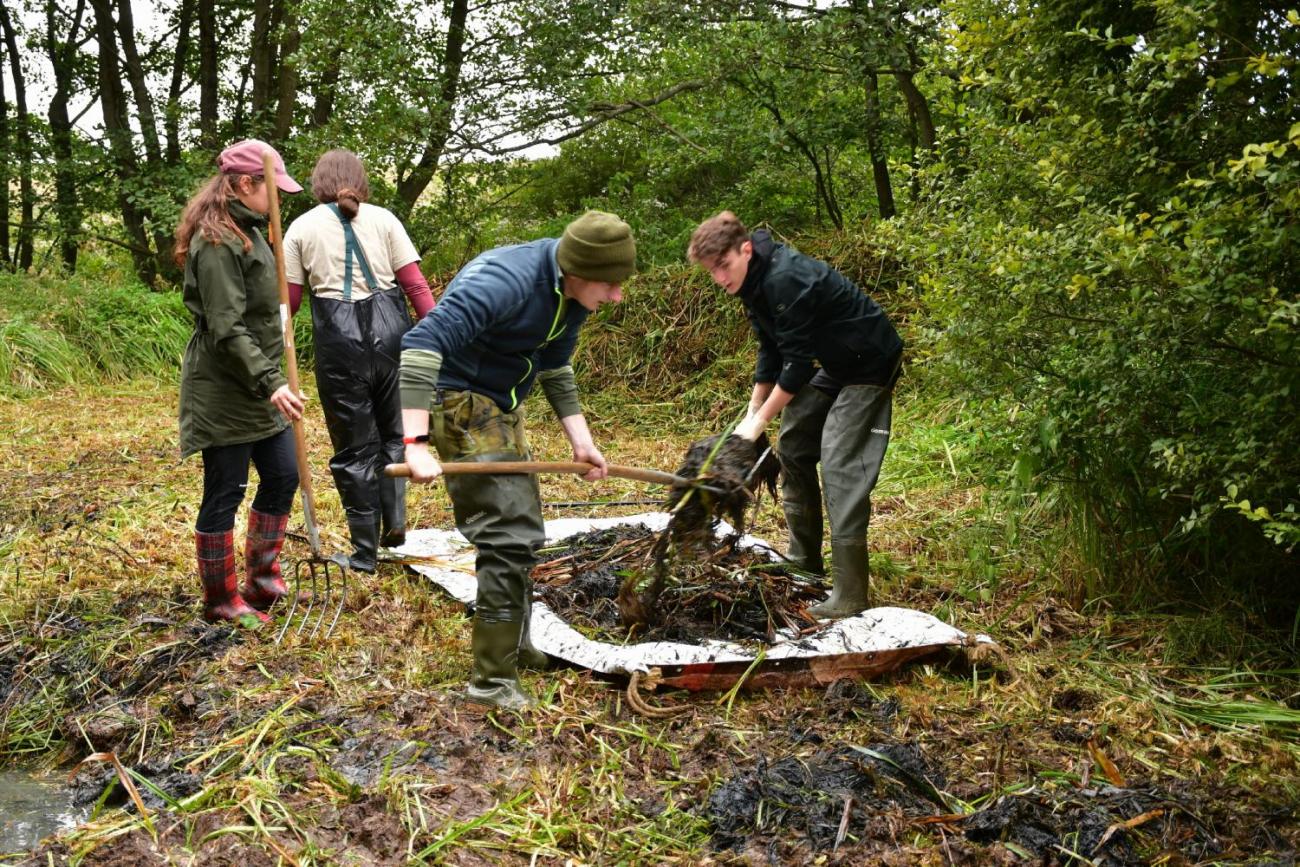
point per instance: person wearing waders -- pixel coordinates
(828, 358)
(358, 262)
(510, 318)
(235, 404)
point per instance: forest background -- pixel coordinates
(1083, 214)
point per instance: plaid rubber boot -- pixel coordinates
(221, 599)
(264, 585)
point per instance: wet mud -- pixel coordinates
(726, 477)
(871, 798)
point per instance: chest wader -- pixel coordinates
(501, 515)
(358, 353)
(848, 435)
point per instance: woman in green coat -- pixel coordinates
(235, 404)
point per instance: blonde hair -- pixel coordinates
(208, 214)
(720, 234)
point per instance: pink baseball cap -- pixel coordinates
(245, 158)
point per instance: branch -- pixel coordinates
(604, 112)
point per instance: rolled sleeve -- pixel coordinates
(418, 377)
(561, 389)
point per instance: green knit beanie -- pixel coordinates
(598, 246)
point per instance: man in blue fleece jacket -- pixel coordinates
(509, 318)
(828, 357)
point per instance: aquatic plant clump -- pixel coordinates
(728, 593)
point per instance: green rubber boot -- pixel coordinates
(850, 582)
(530, 657)
(495, 679)
(805, 524)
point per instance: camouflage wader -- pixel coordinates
(848, 434)
(501, 515)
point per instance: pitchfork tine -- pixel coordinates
(288, 616)
(311, 603)
(325, 599)
(343, 596)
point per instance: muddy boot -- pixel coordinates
(530, 657)
(850, 580)
(364, 528)
(392, 512)
(495, 680)
(221, 599)
(805, 552)
(264, 585)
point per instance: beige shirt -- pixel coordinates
(314, 250)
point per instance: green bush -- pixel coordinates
(1111, 253)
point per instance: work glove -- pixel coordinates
(751, 427)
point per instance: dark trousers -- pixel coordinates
(225, 478)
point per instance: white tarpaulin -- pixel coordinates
(871, 633)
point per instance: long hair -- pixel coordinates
(340, 177)
(208, 215)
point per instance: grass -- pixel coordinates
(357, 751)
(300, 751)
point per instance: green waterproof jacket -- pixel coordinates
(232, 363)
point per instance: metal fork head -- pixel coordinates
(319, 580)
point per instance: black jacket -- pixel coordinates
(804, 311)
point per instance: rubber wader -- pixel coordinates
(801, 495)
(850, 582)
(501, 515)
(495, 678)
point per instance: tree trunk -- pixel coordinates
(139, 86)
(184, 24)
(118, 131)
(22, 255)
(919, 109)
(5, 150)
(410, 187)
(62, 54)
(875, 144)
(287, 84)
(266, 17)
(323, 99)
(209, 131)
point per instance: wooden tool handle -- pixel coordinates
(290, 354)
(560, 467)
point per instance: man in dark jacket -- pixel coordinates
(828, 357)
(509, 318)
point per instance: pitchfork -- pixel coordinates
(323, 573)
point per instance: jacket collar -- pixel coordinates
(758, 262)
(245, 216)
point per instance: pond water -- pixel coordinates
(32, 808)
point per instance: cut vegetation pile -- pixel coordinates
(726, 593)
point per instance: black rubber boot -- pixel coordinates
(495, 679)
(365, 541)
(850, 582)
(392, 512)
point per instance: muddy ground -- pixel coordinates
(359, 751)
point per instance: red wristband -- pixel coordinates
(422, 438)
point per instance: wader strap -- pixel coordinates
(350, 245)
